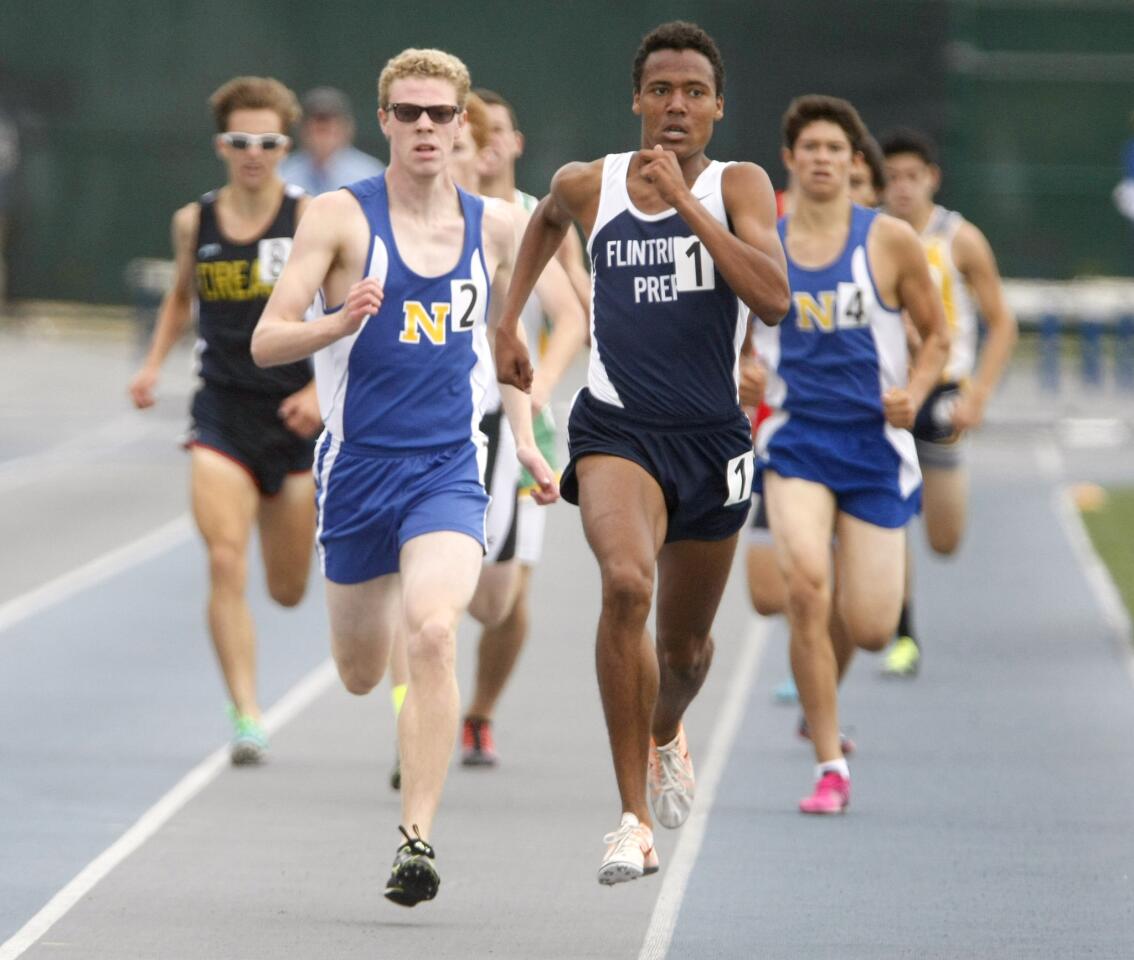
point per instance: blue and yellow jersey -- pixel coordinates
(838, 350)
(409, 380)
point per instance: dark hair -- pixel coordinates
(872, 154)
(254, 93)
(492, 99)
(679, 35)
(908, 140)
(816, 106)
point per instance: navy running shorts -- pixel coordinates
(938, 444)
(704, 468)
(246, 427)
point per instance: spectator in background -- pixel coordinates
(1124, 192)
(9, 161)
(328, 160)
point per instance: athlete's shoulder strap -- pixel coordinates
(613, 195)
(207, 227)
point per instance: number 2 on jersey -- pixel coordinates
(738, 475)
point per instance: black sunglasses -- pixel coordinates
(409, 112)
(265, 141)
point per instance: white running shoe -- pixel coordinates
(670, 777)
(630, 852)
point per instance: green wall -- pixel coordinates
(1040, 100)
(111, 98)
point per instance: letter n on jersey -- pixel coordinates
(417, 320)
(811, 314)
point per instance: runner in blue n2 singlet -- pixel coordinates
(410, 259)
(402, 398)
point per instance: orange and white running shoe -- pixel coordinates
(670, 778)
(630, 852)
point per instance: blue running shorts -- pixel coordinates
(855, 462)
(372, 503)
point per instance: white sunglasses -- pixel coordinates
(265, 141)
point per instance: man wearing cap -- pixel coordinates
(328, 160)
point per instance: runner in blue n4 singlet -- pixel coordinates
(410, 261)
(681, 248)
(837, 459)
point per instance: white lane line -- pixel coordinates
(1098, 577)
(659, 935)
(289, 706)
(153, 544)
(88, 445)
(1049, 459)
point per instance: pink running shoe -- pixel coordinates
(832, 795)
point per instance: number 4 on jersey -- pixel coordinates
(851, 311)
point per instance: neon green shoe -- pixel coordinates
(249, 740)
(902, 659)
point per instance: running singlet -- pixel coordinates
(838, 349)
(960, 312)
(666, 328)
(408, 379)
(234, 281)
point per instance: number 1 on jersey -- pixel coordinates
(738, 475)
(694, 265)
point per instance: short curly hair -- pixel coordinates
(424, 63)
(254, 93)
(679, 35)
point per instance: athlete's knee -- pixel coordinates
(687, 657)
(808, 595)
(627, 591)
(228, 565)
(766, 600)
(432, 644)
(287, 591)
(944, 542)
(491, 608)
(359, 675)
(869, 632)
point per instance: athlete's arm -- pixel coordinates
(572, 257)
(568, 322)
(750, 257)
(176, 305)
(282, 336)
(573, 189)
(500, 241)
(975, 260)
(300, 411)
(918, 295)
